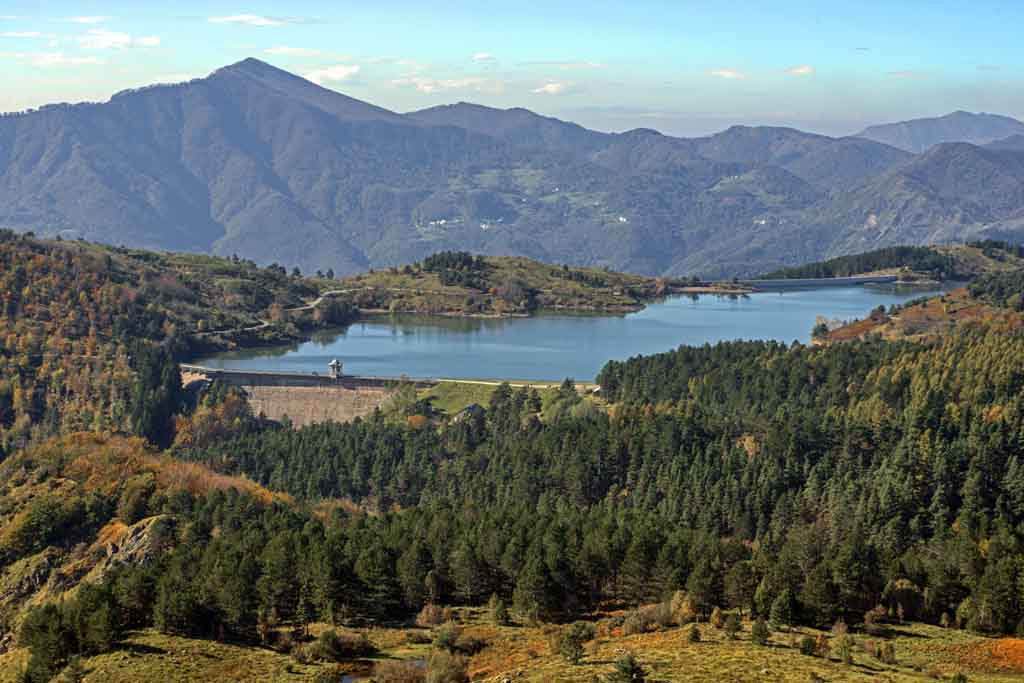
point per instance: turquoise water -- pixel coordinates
(551, 347)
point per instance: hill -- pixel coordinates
(255, 161)
(869, 495)
(918, 135)
(962, 262)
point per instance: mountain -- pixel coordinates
(258, 162)
(1014, 142)
(918, 135)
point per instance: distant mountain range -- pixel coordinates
(256, 161)
(920, 134)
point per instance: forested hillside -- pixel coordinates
(867, 484)
(89, 335)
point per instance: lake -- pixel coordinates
(552, 347)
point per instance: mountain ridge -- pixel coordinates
(917, 135)
(260, 162)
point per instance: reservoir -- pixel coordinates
(554, 346)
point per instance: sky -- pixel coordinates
(682, 67)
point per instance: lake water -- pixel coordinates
(552, 347)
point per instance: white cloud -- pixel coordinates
(429, 85)
(483, 57)
(334, 74)
(552, 88)
(88, 20)
(802, 70)
(729, 74)
(258, 20)
(50, 59)
(21, 34)
(102, 39)
(292, 51)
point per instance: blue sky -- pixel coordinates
(683, 67)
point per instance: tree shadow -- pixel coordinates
(139, 649)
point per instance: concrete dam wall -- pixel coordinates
(304, 399)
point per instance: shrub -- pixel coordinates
(627, 670)
(498, 611)
(732, 626)
(431, 615)
(821, 646)
(759, 632)
(336, 647)
(887, 653)
(649, 618)
(447, 637)
(808, 646)
(571, 640)
(694, 634)
(843, 642)
(444, 667)
(682, 608)
(959, 677)
(399, 672)
(874, 621)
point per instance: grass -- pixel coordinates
(522, 653)
(453, 396)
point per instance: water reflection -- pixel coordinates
(555, 345)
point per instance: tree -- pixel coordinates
(759, 632)
(732, 626)
(740, 585)
(783, 609)
(497, 611)
(627, 670)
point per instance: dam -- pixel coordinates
(305, 398)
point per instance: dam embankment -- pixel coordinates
(304, 398)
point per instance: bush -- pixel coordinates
(332, 646)
(821, 646)
(682, 608)
(399, 672)
(843, 642)
(627, 670)
(887, 653)
(649, 618)
(694, 634)
(874, 621)
(808, 646)
(959, 677)
(498, 611)
(444, 667)
(732, 626)
(447, 637)
(571, 640)
(431, 615)
(759, 632)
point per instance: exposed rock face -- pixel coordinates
(138, 545)
(49, 574)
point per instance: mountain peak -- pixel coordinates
(250, 65)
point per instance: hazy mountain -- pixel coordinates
(517, 126)
(918, 135)
(255, 161)
(1014, 142)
